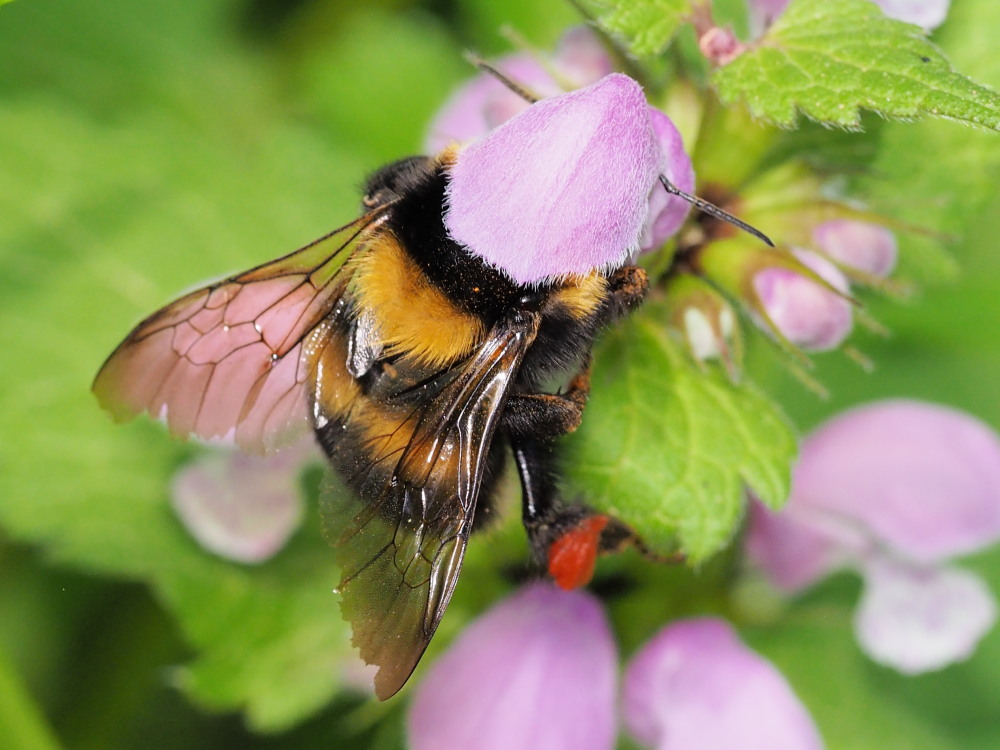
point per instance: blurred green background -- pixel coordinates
(145, 146)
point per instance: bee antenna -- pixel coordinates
(484, 66)
(712, 210)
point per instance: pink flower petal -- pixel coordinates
(927, 13)
(536, 671)
(561, 188)
(763, 13)
(484, 103)
(918, 619)
(858, 244)
(796, 550)
(581, 57)
(695, 685)
(239, 506)
(806, 314)
(922, 479)
(667, 212)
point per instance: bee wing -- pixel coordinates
(224, 362)
(401, 541)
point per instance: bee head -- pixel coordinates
(393, 180)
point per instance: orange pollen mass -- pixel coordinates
(573, 555)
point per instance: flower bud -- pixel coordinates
(797, 296)
(720, 46)
(806, 313)
(858, 244)
(705, 319)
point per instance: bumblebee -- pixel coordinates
(419, 367)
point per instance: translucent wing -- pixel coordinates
(224, 362)
(400, 540)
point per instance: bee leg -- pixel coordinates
(565, 538)
(627, 289)
(549, 415)
(540, 505)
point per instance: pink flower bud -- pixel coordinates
(720, 46)
(538, 670)
(806, 313)
(858, 244)
(695, 685)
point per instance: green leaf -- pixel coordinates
(22, 723)
(668, 448)
(145, 151)
(814, 648)
(647, 26)
(829, 60)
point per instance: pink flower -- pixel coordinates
(572, 160)
(695, 685)
(858, 244)
(927, 13)
(561, 188)
(240, 506)
(484, 103)
(538, 671)
(893, 490)
(667, 212)
(806, 313)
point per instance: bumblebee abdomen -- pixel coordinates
(412, 316)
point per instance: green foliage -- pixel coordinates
(150, 175)
(658, 427)
(21, 725)
(815, 649)
(647, 26)
(146, 147)
(830, 60)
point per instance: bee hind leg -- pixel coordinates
(548, 415)
(566, 538)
